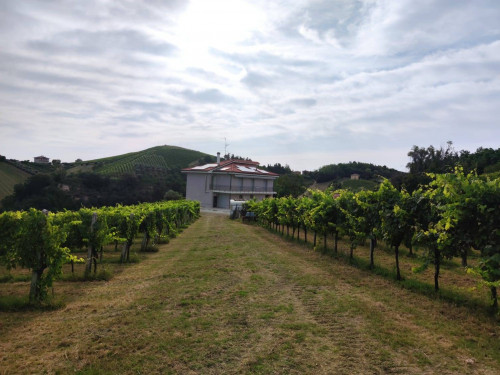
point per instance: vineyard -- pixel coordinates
(156, 161)
(133, 164)
(43, 242)
(10, 176)
(456, 215)
(227, 298)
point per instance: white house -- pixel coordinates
(214, 185)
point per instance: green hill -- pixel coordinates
(143, 176)
(154, 162)
(10, 176)
(347, 183)
(357, 185)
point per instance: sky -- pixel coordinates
(303, 83)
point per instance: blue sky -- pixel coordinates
(304, 83)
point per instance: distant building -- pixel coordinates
(42, 159)
(63, 187)
(355, 176)
(215, 184)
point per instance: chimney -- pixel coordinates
(218, 158)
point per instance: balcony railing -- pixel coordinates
(241, 189)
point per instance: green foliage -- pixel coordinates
(393, 213)
(339, 171)
(37, 240)
(290, 185)
(359, 185)
(9, 177)
(33, 240)
(172, 196)
(454, 212)
(440, 160)
(127, 179)
(431, 159)
(278, 169)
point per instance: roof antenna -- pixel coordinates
(225, 146)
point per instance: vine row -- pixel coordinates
(41, 240)
(452, 214)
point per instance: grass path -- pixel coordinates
(228, 298)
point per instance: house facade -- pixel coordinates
(41, 159)
(215, 185)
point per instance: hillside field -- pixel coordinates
(156, 160)
(347, 183)
(229, 298)
(10, 176)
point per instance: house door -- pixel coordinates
(223, 201)
(215, 202)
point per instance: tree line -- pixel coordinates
(453, 213)
(42, 241)
(59, 190)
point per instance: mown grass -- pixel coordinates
(227, 298)
(456, 284)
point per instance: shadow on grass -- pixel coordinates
(16, 303)
(91, 370)
(416, 286)
(134, 258)
(9, 278)
(101, 275)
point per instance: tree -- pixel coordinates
(278, 168)
(290, 184)
(424, 160)
(172, 195)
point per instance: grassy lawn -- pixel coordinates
(228, 298)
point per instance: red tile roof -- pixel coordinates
(232, 166)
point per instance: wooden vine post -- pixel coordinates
(91, 256)
(125, 255)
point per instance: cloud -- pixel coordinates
(303, 102)
(257, 80)
(404, 27)
(318, 78)
(106, 42)
(207, 96)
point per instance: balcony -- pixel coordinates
(241, 189)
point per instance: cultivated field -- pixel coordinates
(228, 298)
(10, 176)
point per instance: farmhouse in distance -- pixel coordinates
(41, 159)
(214, 185)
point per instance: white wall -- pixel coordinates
(197, 189)
(198, 186)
